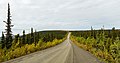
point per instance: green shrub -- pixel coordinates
(100, 49)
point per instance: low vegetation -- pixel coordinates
(104, 44)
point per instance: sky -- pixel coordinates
(61, 14)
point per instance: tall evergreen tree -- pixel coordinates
(16, 39)
(2, 43)
(27, 39)
(113, 33)
(8, 41)
(23, 37)
(35, 37)
(32, 35)
(92, 32)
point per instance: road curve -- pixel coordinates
(66, 52)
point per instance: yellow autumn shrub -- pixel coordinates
(17, 51)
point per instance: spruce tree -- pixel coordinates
(113, 33)
(23, 37)
(16, 38)
(91, 31)
(2, 42)
(32, 36)
(35, 37)
(8, 37)
(28, 39)
(15, 41)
